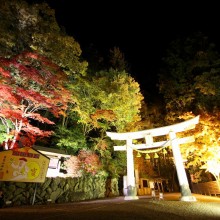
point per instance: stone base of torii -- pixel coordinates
(172, 141)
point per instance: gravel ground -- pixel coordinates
(145, 208)
(185, 210)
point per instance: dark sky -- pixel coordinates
(141, 29)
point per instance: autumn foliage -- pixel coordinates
(29, 85)
(89, 162)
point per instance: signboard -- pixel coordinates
(23, 165)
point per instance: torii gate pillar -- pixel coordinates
(181, 173)
(131, 187)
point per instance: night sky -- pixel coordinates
(141, 29)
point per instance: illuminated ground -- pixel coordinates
(145, 207)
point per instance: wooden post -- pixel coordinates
(34, 196)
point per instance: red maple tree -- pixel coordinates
(29, 85)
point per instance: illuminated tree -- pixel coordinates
(190, 86)
(205, 150)
(122, 96)
(30, 85)
(33, 27)
(213, 166)
(107, 99)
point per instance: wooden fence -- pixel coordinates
(208, 188)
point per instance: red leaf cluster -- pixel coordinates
(89, 161)
(30, 82)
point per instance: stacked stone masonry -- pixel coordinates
(57, 190)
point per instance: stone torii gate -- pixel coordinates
(172, 140)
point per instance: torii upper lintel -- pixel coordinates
(179, 127)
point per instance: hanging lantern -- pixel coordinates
(164, 151)
(138, 154)
(147, 157)
(156, 156)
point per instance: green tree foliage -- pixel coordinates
(190, 85)
(152, 116)
(108, 99)
(71, 138)
(189, 62)
(34, 27)
(117, 60)
(116, 165)
(101, 60)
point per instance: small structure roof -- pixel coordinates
(51, 152)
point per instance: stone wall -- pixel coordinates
(57, 190)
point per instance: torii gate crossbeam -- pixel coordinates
(173, 141)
